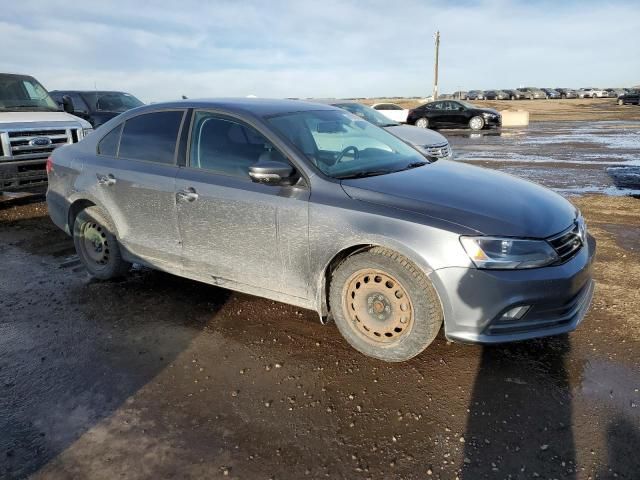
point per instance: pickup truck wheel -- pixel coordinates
(476, 123)
(422, 122)
(384, 306)
(97, 245)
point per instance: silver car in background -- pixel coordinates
(311, 205)
(431, 144)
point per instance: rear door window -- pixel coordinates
(151, 136)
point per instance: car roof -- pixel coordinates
(256, 106)
(101, 92)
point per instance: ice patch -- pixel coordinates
(503, 157)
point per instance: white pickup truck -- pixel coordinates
(31, 126)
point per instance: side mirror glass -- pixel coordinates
(272, 172)
(67, 104)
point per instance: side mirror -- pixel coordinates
(67, 104)
(272, 172)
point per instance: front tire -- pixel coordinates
(422, 122)
(476, 123)
(384, 306)
(620, 102)
(97, 246)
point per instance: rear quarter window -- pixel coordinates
(109, 143)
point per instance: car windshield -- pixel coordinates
(342, 145)
(112, 101)
(371, 115)
(19, 92)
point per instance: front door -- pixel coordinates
(234, 230)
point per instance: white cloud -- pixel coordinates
(160, 50)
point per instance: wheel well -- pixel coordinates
(75, 208)
(331, 267)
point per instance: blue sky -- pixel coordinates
(161, 50)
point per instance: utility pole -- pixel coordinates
(435, 70)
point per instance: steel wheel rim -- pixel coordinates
(377, 306)
(95, 243)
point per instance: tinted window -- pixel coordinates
(151, 136)
(388, 106)
(227, 147)
(109, 143)
(78, 103)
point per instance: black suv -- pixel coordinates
(632, 96)
(96, 107)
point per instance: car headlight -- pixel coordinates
(508, 253)
(489, 115)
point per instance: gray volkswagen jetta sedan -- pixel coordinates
(311, 205)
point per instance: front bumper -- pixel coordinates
(474, 300)
(493, 121)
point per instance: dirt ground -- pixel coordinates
(154, 376)
(597, 109)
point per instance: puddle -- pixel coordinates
(573, 158)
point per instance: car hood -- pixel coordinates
(479, 199)
(41, 117)
(416, 135)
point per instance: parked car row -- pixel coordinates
(533, 93)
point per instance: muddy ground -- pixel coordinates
(156, 376)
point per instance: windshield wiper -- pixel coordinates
(389, 125)
(413, 165)
(366, 173)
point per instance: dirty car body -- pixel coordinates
(226, 224)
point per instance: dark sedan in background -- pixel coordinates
(96, 107)
(475, 95)
(567, 92)
(552, 94)
(453, 114)
(514, 94)
(496, 95)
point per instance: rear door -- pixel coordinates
(234, 230)
(134, 178)
(436, 114)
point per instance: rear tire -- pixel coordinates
(97, 246)
(620, 102)
(384, 306)
(422, 122)
(476, 123)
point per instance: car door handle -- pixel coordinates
(188, 195)
(107, 180)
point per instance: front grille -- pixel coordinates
(567, 243)
(438, 151)
(35, 144)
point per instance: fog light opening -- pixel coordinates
(516, 313)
